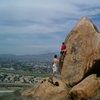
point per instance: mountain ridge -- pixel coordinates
(47, 57)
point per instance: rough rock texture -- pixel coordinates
(85, 89)
(83, 52)
(46, 91)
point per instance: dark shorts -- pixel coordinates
(62, 52)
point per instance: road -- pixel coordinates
(6, 91)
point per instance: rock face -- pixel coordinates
(83, 52)
(47, 91)
(85, 89)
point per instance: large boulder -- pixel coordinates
(83, 52)
(85, 89)
(45, 90)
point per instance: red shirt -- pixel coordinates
(63, 47)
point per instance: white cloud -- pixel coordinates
(44, 12)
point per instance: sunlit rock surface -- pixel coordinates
(83, 52)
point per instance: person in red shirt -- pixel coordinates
(63, 48)
(63, 51)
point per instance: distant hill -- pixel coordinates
(27, 58)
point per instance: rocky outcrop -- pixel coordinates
(83, 52)
(78, 71)
(45, 90)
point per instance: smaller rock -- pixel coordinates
(85, 89)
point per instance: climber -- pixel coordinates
(54, 68)
(63, 51)
(55, 61)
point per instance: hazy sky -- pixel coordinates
(40, 26)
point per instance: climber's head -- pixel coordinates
(55, 56)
